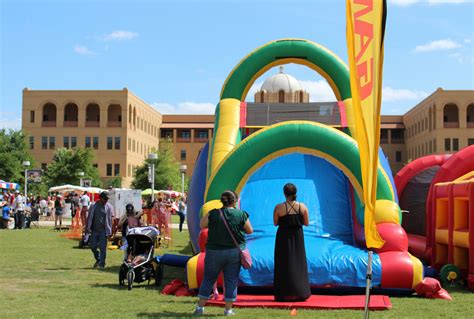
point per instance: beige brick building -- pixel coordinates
(123, 129)
(119, 126)
(441, 123)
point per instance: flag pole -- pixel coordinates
(368, 278)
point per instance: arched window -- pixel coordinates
(451, 116)
(49, 115)
(281, 96)
(130, 115)
(134, 116)
(114, 115)
(70, 115)
(92, 115)
(470, 115)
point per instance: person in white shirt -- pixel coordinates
(84, 203)
(19, 211)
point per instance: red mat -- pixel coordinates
(377, 302)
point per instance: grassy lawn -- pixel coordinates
(44, 275)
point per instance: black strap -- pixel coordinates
(292, 207)
(228, 229)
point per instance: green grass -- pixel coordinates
(45, 276)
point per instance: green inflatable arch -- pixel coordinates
(288, 137)
(284, 51)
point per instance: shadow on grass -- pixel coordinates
(58, 269)
(135, 286)
(169, 314)
(187, 250)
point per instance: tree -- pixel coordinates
(13, 151)
(167, 172)
(68, 163)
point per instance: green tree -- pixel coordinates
(13, 151)
(68, 163)
(115, 182)
(167, 172)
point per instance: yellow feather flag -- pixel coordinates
(365, 28)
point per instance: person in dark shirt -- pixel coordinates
(99, 226)
(221, 253)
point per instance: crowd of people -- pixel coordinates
(22, 211)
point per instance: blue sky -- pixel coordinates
(176, 55)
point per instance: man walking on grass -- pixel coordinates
(99, 226)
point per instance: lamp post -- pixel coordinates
(151, 174)
(182, 169)
(81, 175)
(26, 164)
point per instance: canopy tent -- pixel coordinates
(7, 185)
(169, 193)
(74, 188)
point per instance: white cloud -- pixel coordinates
(120, 35)
(185, 108)
(403, 3)
(391, 95)
(406, 3)
(457, 56)
(12, 123)
(82, 50)
(319, 91)
(437, 45)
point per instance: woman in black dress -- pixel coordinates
(290, 281)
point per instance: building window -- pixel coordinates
(183, 155)
(32, 142)
(116, 169)
(88, 141)
(203, 134)
(95, 165)
(32, 116)
(109, 170)
(44, 166)
(95, 141)
(398, 156)
(44, 142)
(447, 144)
(117, 143)
(66, 141)
(186, 134)
(430, 149)
(129, 144)
(129, 170)
(455, 144)
(73, 141)
(109, 142)
(397, 136)
(383, 136)
(52, 142)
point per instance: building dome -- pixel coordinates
(281, 82)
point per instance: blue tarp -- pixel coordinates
(331, 253)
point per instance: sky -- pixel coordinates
(176, 55)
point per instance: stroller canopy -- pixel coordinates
(148, 231)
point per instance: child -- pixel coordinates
(130, 220)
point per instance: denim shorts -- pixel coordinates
(227, 261)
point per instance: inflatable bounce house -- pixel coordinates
(438, 193)
(324, 164)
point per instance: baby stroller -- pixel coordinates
(139, 264)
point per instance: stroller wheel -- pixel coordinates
(130, 278)
(158, 274)
(122, 275)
